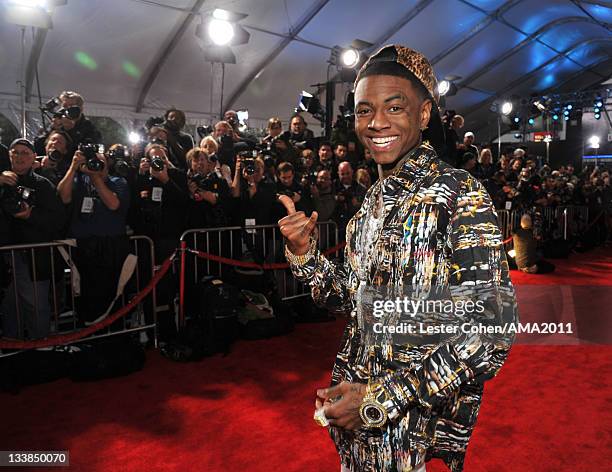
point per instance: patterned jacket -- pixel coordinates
(439, 228)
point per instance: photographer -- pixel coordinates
(211, 147)
(56, 160)
(226, 139)
(98, 204)
(287, 185)
(209, 192)
(326, 159)
(179, 143)
(30, 213)
(298, 136)
(307, 171)
(162, 198)
(323, 196)
(349, 195)
(253, 199)
(70, 119)
(277, 143)
(452, 123)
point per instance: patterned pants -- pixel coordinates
(419, 468)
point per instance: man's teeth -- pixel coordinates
(383, 141)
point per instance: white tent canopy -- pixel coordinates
(134, 58)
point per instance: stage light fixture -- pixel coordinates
(597, 116)
(594, 142)
(310, 104)
(134, 137)
(566, 117)
(220, 29)
(555, 117)
(566, 112)
(350, 58)
(443, 87)
(221, 32)
(569, 106)
(517, 119)
(599, 103)
(506, 108)
(531, 121)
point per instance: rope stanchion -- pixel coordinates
(59, 339)
(255, 265)
(183, 250)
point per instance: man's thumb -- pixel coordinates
(287, 203)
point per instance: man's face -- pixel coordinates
(199, 165)
(22, 159)
(325, 154)
(297, 125)
(341, 152)
(231, 117)
(389, 116)
(222, 129)
(275, 129)
(324, 180)
(468, 140)
(345, 173)
(286, 178)
(517, 165)
(457, 122)
(58, 142)
(308, 157)
(177, 119)
(71, 102)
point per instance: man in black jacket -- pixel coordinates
(31, 213)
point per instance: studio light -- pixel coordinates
(443, 87)
(594, 142)
(310, 104)
(134, 137)
(220, 32)
(447, 87)
(29, 13)
(506, 108)
(350, 58)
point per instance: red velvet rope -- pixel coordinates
(255, 265)
(59, 339)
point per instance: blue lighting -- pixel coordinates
(566, 117)
(597, 116)
(517, 119)
(596, 109)
(599, 104)
(569, 107)
(531, 121)
(555, 117)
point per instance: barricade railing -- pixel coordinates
(563, 222)
(43, 283)
(222, 252)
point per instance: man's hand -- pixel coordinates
(67, 123)
(296, 227)
(77, 161)
(48, 163)
(341, 404)
(8, 177)
(25, 213)
(161, 175)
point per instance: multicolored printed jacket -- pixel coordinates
(438, 228)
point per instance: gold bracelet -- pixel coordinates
(304, 258)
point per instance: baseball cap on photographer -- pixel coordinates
(23, 142)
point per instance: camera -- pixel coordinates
(71, 113)
(92, 161)
(226, 148)
(15, 197)
(154, 121)
(248, 162)
(120, 165)
(204, 131)
(157, 164)
(204, 182)
(55, 155)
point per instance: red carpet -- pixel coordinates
(549, 410)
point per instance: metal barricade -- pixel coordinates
(42, 298)
(260, 244)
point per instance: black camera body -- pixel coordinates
(204, 182)
(157, 164)
(55, 155)
(92, 161)
(71, 113)
(120, 164)
(15, 197)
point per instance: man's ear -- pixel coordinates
(425, 113)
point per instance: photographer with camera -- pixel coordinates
(349, 195)
(209, 192)
(287, 185)
(210, 145)
(30, 213)
(70, 119)
(226, 139)
(98, 205)
(253, 199)
(299, 136)
(56, 161)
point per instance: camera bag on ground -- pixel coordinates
(260, 318)
(212, 328)
(106, 358)
(35, 366)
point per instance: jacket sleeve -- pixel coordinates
(329, 281)
(478, 271)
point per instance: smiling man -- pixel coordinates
(396, 402)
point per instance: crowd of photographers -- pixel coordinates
(64, 185)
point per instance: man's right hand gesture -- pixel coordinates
(296, 227)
